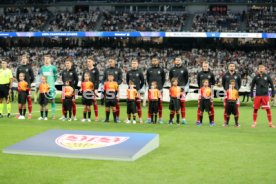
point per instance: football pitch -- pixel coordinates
(187, 153)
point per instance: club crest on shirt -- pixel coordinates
(82, 142)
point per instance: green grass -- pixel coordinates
(187, 154)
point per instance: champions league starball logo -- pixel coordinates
(51, 94)
(81, 142)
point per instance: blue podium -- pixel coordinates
(87, 145)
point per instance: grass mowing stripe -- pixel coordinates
(187, 154)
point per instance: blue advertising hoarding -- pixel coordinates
(140, 34)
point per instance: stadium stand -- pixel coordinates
(80, 21)
(261, 20)
(143, 21)
(208, 22)
(23, 19)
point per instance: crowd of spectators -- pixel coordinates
(34, 19)
(41, 19)
(19, 2)
(261, 20)
(23, 19)
(68, 21)
(24, 10)
(143, 21)
(133, 1)
(209, 22)
(148, 1)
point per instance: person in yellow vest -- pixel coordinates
(131, 102)
(5, 87)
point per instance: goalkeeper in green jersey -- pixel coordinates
(50, 72)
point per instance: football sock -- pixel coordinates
(236, 120)
(255, 115)
(269, 117)
(201, 118)
(114, 116)
(53, 106)
(210, 118)
(30, 106)
(171, 116)
(160, 107)
(74, 108)
(70, 114)
(89, 114)
(117, 110)
(107, 115)
(96, 108)
(177, 117)
(155, 118)
(183, 110)
(139, 110)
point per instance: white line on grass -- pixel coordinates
(39, 111)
